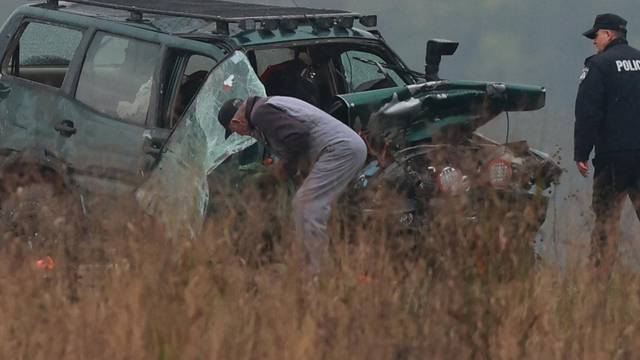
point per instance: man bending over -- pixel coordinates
(307, 141)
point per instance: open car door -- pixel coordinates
(176, 193)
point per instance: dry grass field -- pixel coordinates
(241, 291)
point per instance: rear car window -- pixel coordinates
(42, 53)
(117, 77)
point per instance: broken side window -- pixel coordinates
(42, 53)
(177, 192)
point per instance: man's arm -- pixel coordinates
(291, 133)
(589, 112)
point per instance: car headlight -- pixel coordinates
(500, 173)
(451, 180)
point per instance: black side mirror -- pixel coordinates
(436, 48)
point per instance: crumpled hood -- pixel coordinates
(416, 112)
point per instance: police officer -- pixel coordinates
(608, 118)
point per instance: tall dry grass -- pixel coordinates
(119, 290)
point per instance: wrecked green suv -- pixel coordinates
(120, 97)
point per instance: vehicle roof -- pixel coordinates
(212, 9)
(302, 33)
(114, 23)
(216, 10)
(161, 20)
(189, 27)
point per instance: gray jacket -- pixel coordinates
(297, 132)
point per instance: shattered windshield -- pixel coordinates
(177, 193)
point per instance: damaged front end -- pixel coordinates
(425, 147)
(416, 113)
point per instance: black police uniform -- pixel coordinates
(608, 118)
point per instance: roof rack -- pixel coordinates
(248, 16)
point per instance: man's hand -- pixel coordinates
(583, 167)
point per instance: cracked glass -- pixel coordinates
(177, 192)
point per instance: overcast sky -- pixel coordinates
(522, 41)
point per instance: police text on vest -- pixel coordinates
(628, 65)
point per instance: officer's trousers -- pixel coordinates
(614, 180)
(335, 168)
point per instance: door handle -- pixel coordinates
(66, 128)
(152, 149)
(5, 90)
(154, 141)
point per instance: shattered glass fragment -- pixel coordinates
(177, 192)
(228, 84)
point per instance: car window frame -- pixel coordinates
(172, 66)
(375, 46)
(250, 52)
(351, 60)
(15, 40)
(152, 111)
(218, 64)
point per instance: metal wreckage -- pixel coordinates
(120, 97)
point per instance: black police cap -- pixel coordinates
(607, 22)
